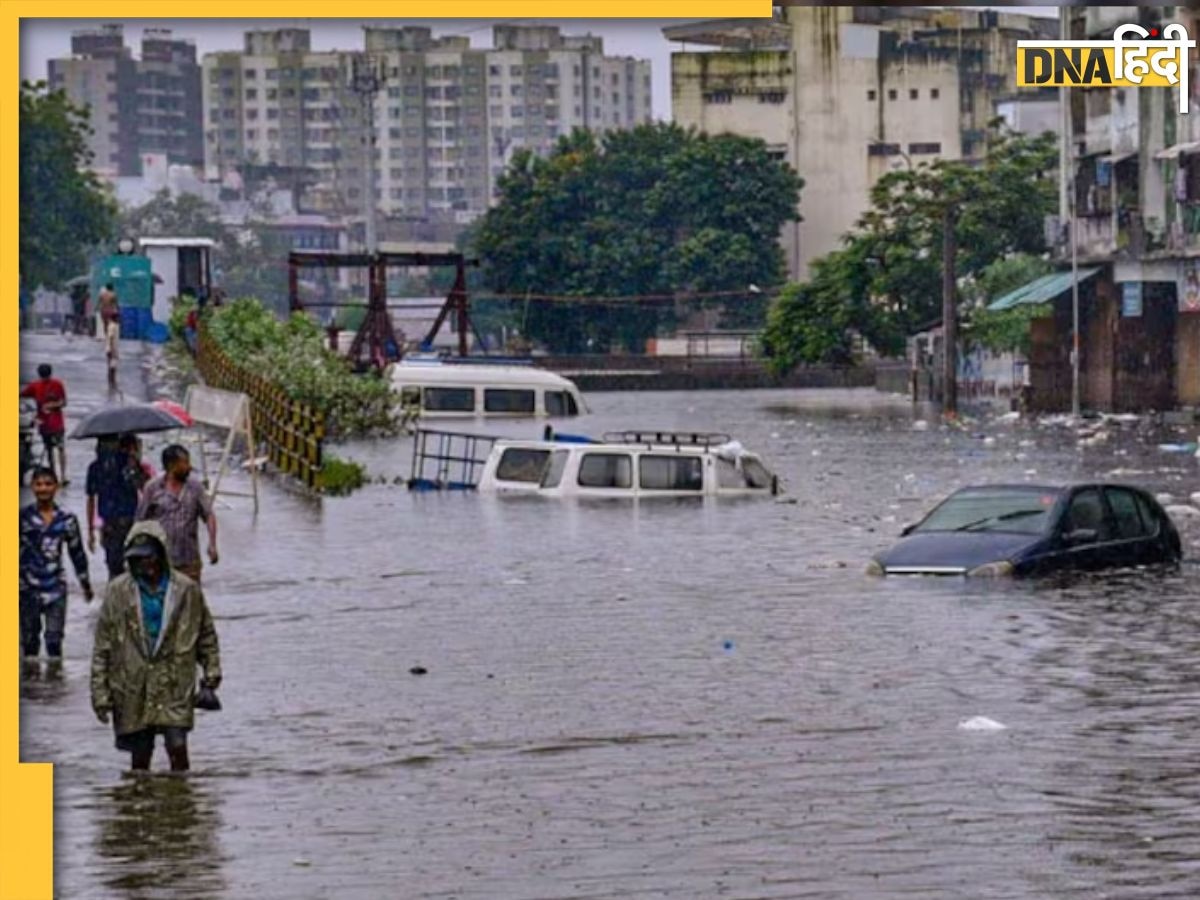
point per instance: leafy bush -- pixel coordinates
(294, 354)
(341, 476)
(181, 308)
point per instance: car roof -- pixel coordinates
(1054, 488)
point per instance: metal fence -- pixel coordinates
(293, 432)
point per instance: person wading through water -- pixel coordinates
(154, 630)
(45, 528)
(114, 485)
(110, 318)
(179, 504)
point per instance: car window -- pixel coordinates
(992, 509)
(507, 400)
(670, 473)
(410, 395)
(450, 399)
(1087, 512)
(1150, 516)
(520, 464)
(606, 470)
(555, 404)
(1127, 520)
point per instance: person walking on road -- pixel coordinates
(114, 485)
(154, 630)
(51, 397)
(179, 504)
(45, 528)
(110, 318)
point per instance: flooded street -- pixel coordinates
(660, 699)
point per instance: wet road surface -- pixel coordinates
(661, 699)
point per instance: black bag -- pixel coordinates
(206, 698)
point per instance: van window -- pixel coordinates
(519, 464)
(561, 403)
(606, 470)
(671, 473)
(756, 474)
(438, 399)
(410, 396)
(554, 471)
(728, 475)
(507, 400)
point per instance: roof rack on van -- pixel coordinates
(676, 438)
(488, 360)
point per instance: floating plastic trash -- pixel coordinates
(981, 723)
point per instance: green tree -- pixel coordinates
(1007, 330)
(64, 209)
(886, 281)
(655, 210)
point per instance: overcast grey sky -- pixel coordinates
(46, 39)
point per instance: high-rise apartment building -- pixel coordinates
(446, 117)
(138, 106)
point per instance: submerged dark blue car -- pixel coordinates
(1024, 529)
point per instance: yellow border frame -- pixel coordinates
(26, 791)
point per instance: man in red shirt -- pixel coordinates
(51, 397)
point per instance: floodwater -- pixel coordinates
(661, 699)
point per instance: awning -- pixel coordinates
(1114, 158)
(1173, 152)
(1042, 290)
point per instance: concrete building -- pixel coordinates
(844, 94)
(1135, 199)
(446, 118)
(140, 106)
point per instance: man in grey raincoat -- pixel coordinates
(154, 630)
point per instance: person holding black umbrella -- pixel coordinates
(114, 485)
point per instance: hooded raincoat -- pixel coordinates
(152, 686)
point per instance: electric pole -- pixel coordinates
(366, 80)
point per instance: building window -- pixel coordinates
(272, 94)
(516, 90)
(931, 147)
(252, 135)
(496, 112)
(251, 94)
(272, 74)
(883, 149)
(870, 96)
(892, 94)
(913, 94)
(771, 97)
(518, 112)
(394, 134)
(718, 97)
(934, 93)
(514, 72)
(251, 115)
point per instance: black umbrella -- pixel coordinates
(133, 419)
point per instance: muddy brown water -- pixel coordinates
(661, 699)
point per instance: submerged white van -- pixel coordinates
(439, 389)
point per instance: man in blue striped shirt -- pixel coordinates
(45, 527)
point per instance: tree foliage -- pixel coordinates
(64, 209)
(1003, 331)
(649, 211)
(886, 281)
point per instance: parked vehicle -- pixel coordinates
(439, 389)
(627, 464)
(620, 464)
(999, 530)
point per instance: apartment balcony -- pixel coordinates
(1095, 238)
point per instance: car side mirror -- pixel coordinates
(909, 529)
(1081, 536)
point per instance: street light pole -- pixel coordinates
(949, 312)
(366, 81)
(1070, 195)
